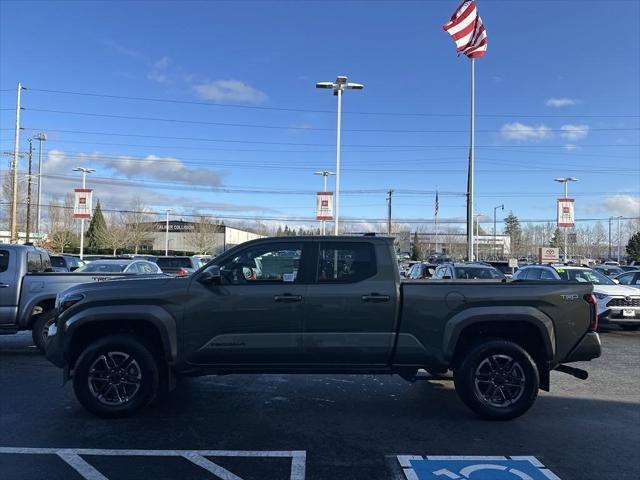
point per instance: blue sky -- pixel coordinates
(557, 94)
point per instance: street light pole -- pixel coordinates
(325, 174)
(495, 245)
(338, 87)
(14, 166)
(566, 181)
(166, 233)
(29, 179)
(41, 137)
(84, 172)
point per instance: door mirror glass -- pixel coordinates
(210, 275)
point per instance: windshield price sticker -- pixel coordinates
(474, 468)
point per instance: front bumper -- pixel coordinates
(587, 349)
(616, 315)
(55, 350)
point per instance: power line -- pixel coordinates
(291, 109)
(283, 127)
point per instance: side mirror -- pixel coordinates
(210, 275)
(616, 281)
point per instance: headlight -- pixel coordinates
(66, 301)
(600, 296)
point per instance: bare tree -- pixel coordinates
(138, 223)
(117, 234)
(204, 237)
(62, 225)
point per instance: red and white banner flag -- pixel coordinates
(467, 30)
(82, 205)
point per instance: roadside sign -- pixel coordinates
(474, 468)
(82, 204)
(324, 206)
(566, 213)
(548, 255)
(513, 263)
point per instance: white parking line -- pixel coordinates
(72, 456)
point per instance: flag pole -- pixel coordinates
(436, 211)
(470, 253)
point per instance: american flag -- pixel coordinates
(467, 30)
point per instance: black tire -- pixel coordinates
(39, 330)
(109, 392)
(630, 327)
(491, 386)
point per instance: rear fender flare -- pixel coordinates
(26, 319)
(157, 316)
(476, 315)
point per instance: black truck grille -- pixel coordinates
(623, 302)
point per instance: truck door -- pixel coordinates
(254, 315)
(351, 307)
(9, 286)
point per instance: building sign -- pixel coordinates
(82, 204)
(548, 255)
(324, 206)
(565, 213)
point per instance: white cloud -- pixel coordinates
(625, 205)
(560, 102)
(229, 90)
(569, 147)
(574, 132)
(162, 63)
(159, 70)
(520, 131)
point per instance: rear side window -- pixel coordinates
(345, 262)
(34, 262)
(4, 260)
(547, 275)
(57, 262)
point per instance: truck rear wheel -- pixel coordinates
(40, 329)
(116, 376)
(497, 379)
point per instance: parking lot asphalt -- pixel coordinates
(315, 426)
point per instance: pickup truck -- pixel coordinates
(28, 289)
(320, 305)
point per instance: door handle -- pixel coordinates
(287, 297)
(4, 285)
(375, 297)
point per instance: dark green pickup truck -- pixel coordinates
(320, 305)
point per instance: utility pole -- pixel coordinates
(41, 137)
(495, 244)
(28, 229)
(14, 166)
(166, 234)
(619, 238)
(609, 256)
(389, 194)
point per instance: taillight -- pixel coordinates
(593, 301)
(182, 272)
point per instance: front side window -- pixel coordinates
(625, 279)
(345, 262)
(277, 263)
(584, 276)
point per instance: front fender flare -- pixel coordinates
(157, 316)
(475, 315)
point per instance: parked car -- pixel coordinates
(630, 278)
(618, 304)
(629, 268)
(28, 289)
(503, 267)
(608, 270)
(320, 304)
(123, 265)
(468, 271)
(179, 266)
(65, 263)
(421, 270)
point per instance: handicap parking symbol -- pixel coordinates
(474, 468)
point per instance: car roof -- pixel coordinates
(118, 261)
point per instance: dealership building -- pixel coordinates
(187, 237)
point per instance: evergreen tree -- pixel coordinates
(514, 230)
(96, 229)
(633, 247)
(416, 251)
(557, 241)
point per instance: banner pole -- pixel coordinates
(470, 253)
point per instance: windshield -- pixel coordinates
(485, 273)
(584, 276)
(174, 262)
(96, 267)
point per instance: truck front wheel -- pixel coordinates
(116, 376)
(40, 329)
(497, 379)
